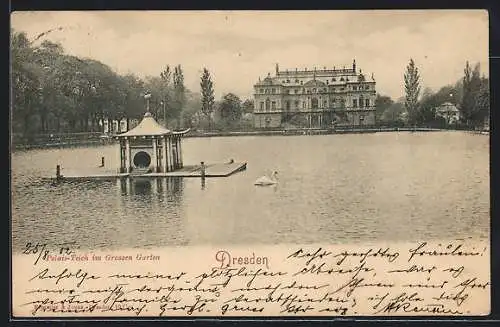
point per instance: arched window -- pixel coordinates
(268, 104)
(314, 103)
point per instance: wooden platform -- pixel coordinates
(212, 170)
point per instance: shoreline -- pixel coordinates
(289, 132)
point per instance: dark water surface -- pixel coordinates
(332, 189)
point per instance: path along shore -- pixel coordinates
(62, 141)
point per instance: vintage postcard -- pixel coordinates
(272, 163)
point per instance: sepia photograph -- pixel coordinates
(204, 136)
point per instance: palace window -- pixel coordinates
(301, 82)
(354, 88)
(261, 90)
(354, 103)
(325, 104)
(296, 91)
(334, 80)
(296, 81)
(314, 103)
(361, 102)
(273, 105)
(262, 106)
(314, 90)
(367, 102)
(268, 104)
(327, 82)
(273, 90)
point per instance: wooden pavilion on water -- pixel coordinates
(150, 148)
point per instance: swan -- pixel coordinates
(265, 180)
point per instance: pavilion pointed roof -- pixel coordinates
(147, 127)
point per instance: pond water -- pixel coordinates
(332, 189)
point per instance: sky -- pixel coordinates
(238, 47)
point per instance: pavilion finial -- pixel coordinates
(147, 96)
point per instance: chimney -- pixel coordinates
(354, 65)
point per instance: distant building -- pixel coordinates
(449, 112)
(315, 98)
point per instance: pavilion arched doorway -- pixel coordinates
(142, 159)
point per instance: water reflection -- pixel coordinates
(163, 187)
(156, 210)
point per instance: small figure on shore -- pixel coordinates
(231, 161)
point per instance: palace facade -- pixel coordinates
(317, 98)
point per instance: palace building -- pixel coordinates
(317, 98)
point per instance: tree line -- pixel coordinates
(54, 92)
(470, 94)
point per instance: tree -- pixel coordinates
(382, 103)
(166, 76)
(207, 95)
(394, 113)
(179, 91)
(193, 103)
(247, 106)
(467, 97)
(472, 109)
(230, 109)
(412, 91)
(483, 101)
